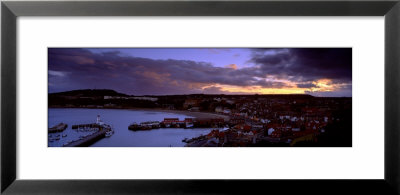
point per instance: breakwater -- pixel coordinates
(87, 140)
(99, 128)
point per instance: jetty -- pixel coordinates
(144, 126)
(87, 127)
(101, 130)
(88, 140)
(58, 128)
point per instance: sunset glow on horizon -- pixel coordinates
(323, 85)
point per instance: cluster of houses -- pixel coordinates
(275, 122)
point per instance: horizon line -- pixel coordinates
(204, 94)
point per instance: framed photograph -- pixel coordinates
(192, 97)
(196, 97)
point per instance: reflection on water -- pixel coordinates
(120, 120)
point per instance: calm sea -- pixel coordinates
(120, 120)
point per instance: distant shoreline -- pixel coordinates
(183, 112)
(191, 113)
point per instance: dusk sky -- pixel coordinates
(166, 71)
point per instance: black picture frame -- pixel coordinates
(11, 10)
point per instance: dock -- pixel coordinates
(102, 130)
(89, 140)
(86, 126)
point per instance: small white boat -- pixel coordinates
(189, 125)
(109, 133)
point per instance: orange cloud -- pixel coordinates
(258, 89)
(80, 59)
(157, 77)
(233, 66)
(325, 85)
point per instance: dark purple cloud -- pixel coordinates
(306, 64)
(306, 85)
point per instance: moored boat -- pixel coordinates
(109, 133)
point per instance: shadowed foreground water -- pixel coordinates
(120, 120)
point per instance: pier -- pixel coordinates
(86, 126)
(89, 140)
(102, 130)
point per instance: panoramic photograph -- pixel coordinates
(199, 97)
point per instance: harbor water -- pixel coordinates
(120, 120)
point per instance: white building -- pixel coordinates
(270, 130)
